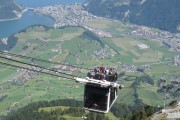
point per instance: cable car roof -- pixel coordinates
(102, 83)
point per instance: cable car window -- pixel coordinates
(112, 95)
(96, 97)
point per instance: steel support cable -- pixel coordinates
(39, 71)
(41, 60)
(16, 66)
(136, 87)
(35, 66)
(3, 66)
(42, 68)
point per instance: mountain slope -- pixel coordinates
(8, 9)
(162, 14)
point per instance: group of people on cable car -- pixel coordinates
(103, 73)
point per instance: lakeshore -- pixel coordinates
(9, 27)
(18, 14)
(28, 17)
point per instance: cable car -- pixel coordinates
(100, 90)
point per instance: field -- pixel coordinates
(40, 88)
(148, 95)
(127, 52)
(59, 45)
(75, 46)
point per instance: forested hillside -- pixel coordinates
(72, 109)
(162, 14)
(7, 8)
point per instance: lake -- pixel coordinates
(8, 28)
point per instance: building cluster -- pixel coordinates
(71, 15)
(24, 76)
(177, 60)
(169, 39)
(100, 33)
(66, 67)
(4, 40)
(102, 54)
(28, 75)
(18, 14)
(66, 15)
(133, 68)
(142, 46)
(57, 49)
(4, 87)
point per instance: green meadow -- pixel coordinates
(74, 46)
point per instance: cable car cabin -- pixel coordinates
(99, 99)
(100, 90)
(99, 94)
